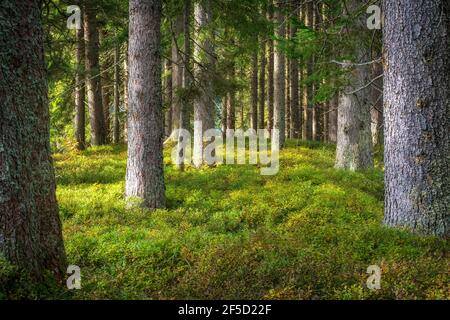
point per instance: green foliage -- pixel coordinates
(309, 232)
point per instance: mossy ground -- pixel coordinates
(308, 232)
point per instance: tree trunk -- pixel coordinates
(354, 139)
(254, 92)
(288, 96)
(279, 81)
(105, 85)
(186, 107)
(97, 119)
(307, 88)
(116, 129)
(377, 105)
(230, 104)
(270, 78)
(168, 101)
(332, 119)
(30, 228)
(295, 106)
(145, 177)
(204, 107)
(80, 93)
(417, 115)
(125, 92)
(177, 70)
(262, 86)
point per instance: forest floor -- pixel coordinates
(309, 232)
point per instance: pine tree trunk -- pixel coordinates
(168, 101)
(279, 81)
(186, 107)
(354, 139)
(30, 228)
(377, 105)
(116, 129)
(177, 70)
(125, 92)
(204, 106)
(270, 78)
(295, 105)
(288, 97)
(97, 119)
(254, 92)
(332, 119)
(307, 89)
(262, 85)
(230, 104)
(145, 177)
(80, 93)
(417, 115)
(105, 84)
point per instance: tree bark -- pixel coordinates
(307, 88)
(262, 85)
(30, 228)
(145, 177)
(97, 119)
(417, 115)
(294, 92)
(80, 93)
(332, 119)
(204, 106)
(254, 92)
(270, 78)
(116, 128)
(279, 81)
(177, 70)
(354, 140)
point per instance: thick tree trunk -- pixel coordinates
(204, 106)
(417, 115)
(97, 119)
(30, 228)
(354, 139)
(279, 81)
(116, 128)
(80, 93)
(145, 177)
(254, 92)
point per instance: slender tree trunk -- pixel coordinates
(177, 70)
(80, 93)
(30, 228)
(270, 77)
(316, 116)
(288, 118)
(105, 87)
(145, 177)
(307, 88)
(97, 119)
(279, 81)
(204, 107)
(116, 129)
(254, 89)
(262, 85)
(294, 91)
(230, 104)
(186, 107)
(168, 101)
(125, 92)
(377, 105)
(332, 119)
(417, 115)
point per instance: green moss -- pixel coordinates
(308, 232)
